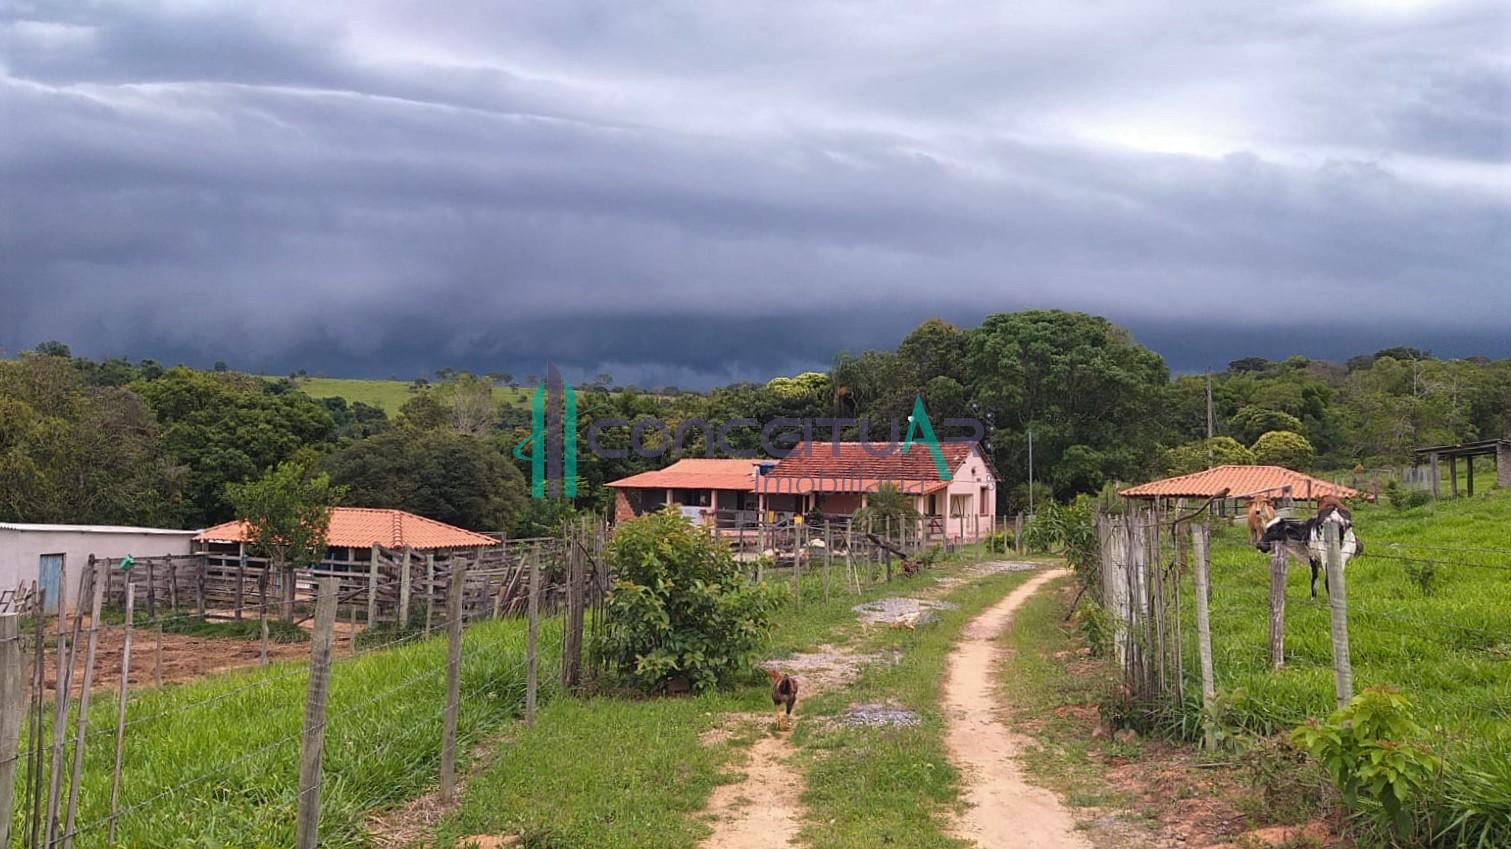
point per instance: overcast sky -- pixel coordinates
(691, 192)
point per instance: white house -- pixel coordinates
(51, 555)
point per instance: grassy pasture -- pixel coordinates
(389, 395)
(1448, 646)
(215, 762)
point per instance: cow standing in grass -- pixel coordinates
(1307, 540)
(1261, 513)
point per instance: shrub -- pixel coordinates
(1218, 451)
(1284, 448)
(681, 607)
(1405, 498)
(1423, 573)
(1098, 626)
(1368, 748)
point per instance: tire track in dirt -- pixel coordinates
(1005, 811)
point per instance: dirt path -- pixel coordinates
(763, 809)
(1005, 811)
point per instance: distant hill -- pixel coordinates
(389, 395)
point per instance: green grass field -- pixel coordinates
(1442, 637)
(215, 762)
(389, 395)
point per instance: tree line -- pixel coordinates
(112, 441)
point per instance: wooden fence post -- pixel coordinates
(828, 556)
(571, 660)
(262, 617)
(241, 579)
(312, 745)
(798, 548)
(60, 702)
(12, 707)
(120, 711)
(404, 588)
(1278, 563)
(1199, 547)
(1337, 602)
(372, 587)
(429, 590)
(531, 636)
(453, 675)
(97, 598)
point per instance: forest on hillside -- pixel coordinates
(112, 441)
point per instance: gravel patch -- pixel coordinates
(918, 611)
(879, 716)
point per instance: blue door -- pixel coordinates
(51, 579)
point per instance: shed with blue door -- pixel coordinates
(53, 556)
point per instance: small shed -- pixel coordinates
(1499, 450)
(1241, 483)
(54, 556)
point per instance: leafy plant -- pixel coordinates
(681, 607)
(1368, 747)
(1098, 626)
(1405, 498)
(1423, 573)
(287, 513)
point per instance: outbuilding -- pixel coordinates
(52, 557)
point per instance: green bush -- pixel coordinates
(1368, 746)
(1098, 626)
(1284, 448)
(1405, 498)
(681, 607)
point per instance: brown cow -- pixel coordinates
(1261, 512)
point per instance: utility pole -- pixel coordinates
(1211, 421)
(1030, 471)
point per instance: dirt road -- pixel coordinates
(1005, 812)
(762, 810)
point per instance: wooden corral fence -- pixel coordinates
(1153, 565)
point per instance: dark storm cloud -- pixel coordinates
(683, 194)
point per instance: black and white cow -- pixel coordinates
(1306, 540)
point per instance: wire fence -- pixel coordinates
(338, 719)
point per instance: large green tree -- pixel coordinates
(1094, 398)
(435, 473)
(287, 512)
(229, 427)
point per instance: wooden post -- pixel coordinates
(97, 599)
(262, 614)
(1337, 602)
(372, 587)
(1278, 563)
(12, 708)
(1018, 533)
(241, 578)
(351, 634)
(199, 585)
(828, 556)
(404, 588)
(1199, 535)
(60, 702)
(151, 591)
(886, 553)
(1453, 476)
(429, 590)
(120, 713)
(312, 745)
(571, 660)
(531, 635)
(798, 549)
(453, 676)
(1469, 474)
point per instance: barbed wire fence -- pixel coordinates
(95, 752)
(1155, 582)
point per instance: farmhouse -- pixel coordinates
(1235, 483)
(354, 531)
(54, 556)
(834, 478)
(707, 490)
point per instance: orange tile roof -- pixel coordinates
(360, 527)
(696, 473)
(1241, 482)
(795, 485)
(853, 460)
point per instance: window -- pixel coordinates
(986, 501)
